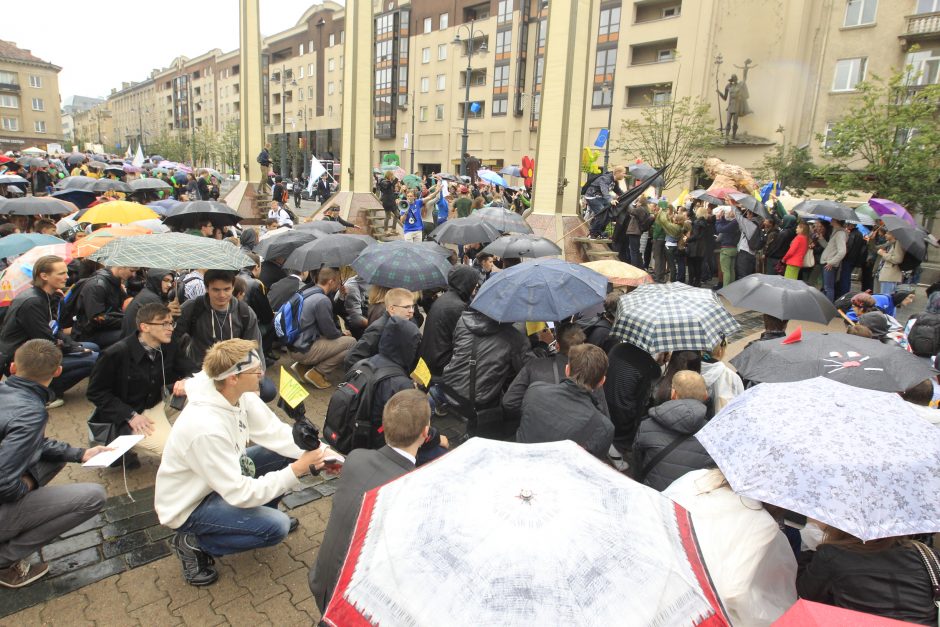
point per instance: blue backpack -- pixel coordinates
(287, 319)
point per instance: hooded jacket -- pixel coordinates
(501, 352)
(248, 239)
(202, 454)
(437, 348)
(29, 317)
(205, 327)
(398, 347)
(100, 304)
(152, 293)
(565, 411)
(781, 244)
(665, 423)
(631, 373)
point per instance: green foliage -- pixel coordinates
(170, 145)
(887, 144)
(791, 166)
(680, 133)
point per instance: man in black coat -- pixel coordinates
(100, 306)
(568, 410)
(597, 328)
(399, 303)
(631, 374)
(438, 344)
(156, 289)
(406, 422)
(272, 271)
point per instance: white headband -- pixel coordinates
(253, 360)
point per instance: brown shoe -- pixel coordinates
(22, 573)
(315, 378)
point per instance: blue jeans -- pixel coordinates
(601, 215)
(75, 367)
(222, 529)
(633, 246)
(829, 282)
(885, 287)
(845, 278)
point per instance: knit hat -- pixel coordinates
(876, 322)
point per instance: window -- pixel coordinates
(442, 52)
(425, 55)
(11, 124)
(671, 12)
(927, 6)
(38, 105)
(301, 72)
(309, 93)
(310, 69)
(665, 55)
(828, 140)
(403, 76)
(384, 24)
(331, 64)
(501, 76)
(443, 21)
(310, 47)
(35, 81)
(330, 88)
(425, 85)
(543, 27)
(403, 47)
(504, 12)
(9, 102)
(300, 94)
(605, 63)
(860, 12)
(427, 25)
(609, 22)
(539, 70)
(441, 82)
(9, 78)
(341, 60)
(300, 50)
(662, 96)
(383, 50)
(924, 67)
(439, 109)
(422, 114)
(383, 79)
(500, 106)
(601, 97)
(478, 114)
(332, 39)
(503, 42)
(849, 72)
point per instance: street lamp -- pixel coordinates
(283, 120)
(466, 103)
(607, 89)
(411, 104)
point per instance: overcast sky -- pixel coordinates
(99, 44)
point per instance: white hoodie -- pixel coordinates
(202, 454)
(723, 383)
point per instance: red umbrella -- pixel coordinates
(5, 159)
(723, 192)
(805, 613)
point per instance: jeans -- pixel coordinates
(633, 248)
(829, 282)
(868, 277)
(646, 246)
(103, 339)
(222, 529)
(601, 215)
(845, 278)
(680, 266)
(726, 261)
(671, 262)
(75, 367)
(887, 287)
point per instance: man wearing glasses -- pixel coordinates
(399, 303)
(131, 379)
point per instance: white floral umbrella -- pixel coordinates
(498, 533)
(859, 460)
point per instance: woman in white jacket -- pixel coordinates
(723, 383)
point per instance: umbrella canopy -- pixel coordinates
(283, 245)
(333, 251)
(75, 159)
(37, 163)
(885, 207)
(511, 170)
(643, 171)
(619, 273)
(12, 179)
(173, 251)
(805, 613)
(447, 176)
(84, 183)
(98, 239)
(667, 317)
(714, 200)
(411, 180)
(117, 212)
(543, 289)
(489, 511)
(437, 249)
(33, 206)
(468, 230)
(786, 299)
(402, 264)
(19, 243)
(153, 225)
(491, 177)
(521, 246)
(859, 460)
(78, 197)
(149, 183)
(18, 276)
(327, 227)
(108, 185)
(165, 206)
(32, 150)
(219, 213)
(503, 219)
(849, 359)
(828, 208)
(866, 215)
(911, 238)
(723, 192)
(749, 202)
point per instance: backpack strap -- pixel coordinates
(641, 476)
(932, 563)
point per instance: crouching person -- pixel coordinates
(218, 493)
(32, 513)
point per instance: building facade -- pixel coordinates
(29, 100)
(93, 129)
(71, 106)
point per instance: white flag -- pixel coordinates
(316, 171)
(139, 157)
(127, 153)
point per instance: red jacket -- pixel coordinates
(797, 251)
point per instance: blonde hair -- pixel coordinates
(399, 294)
(618, 169)
(377, 294)
(689, 384)
(223, 355)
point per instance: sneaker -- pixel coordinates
(294, 523)
(22, 573)
(59, 402)
(315, 378)
(298, 369)
(197, 570)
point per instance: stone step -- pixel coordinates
(588, 240)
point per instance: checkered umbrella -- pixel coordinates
(669, 317)
(402, 264)
(174, 251)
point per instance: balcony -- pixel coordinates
(10, 87)
(921, 27)
(654, 52)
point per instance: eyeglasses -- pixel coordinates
(166, 325)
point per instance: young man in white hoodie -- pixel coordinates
(218, 493)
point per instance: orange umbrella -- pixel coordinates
(99, 238)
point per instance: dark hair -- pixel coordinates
(202, 223)
(39, 225)
(219, 275)
(774, 324)
(7, 229)
(679, 360)
(920, 394)
(588, 365)
(254, 257)
(150, 312)
(239, 287)
(611, 304)
(569, 337)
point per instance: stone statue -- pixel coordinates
(736, 96)
(726, 175)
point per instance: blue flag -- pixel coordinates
(602, 138)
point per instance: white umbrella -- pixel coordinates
(858, 460)
(498, 533)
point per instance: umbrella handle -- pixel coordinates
(847, 319)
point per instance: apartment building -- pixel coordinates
(93, 128)
(29, 99)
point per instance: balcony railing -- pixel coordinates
(9, 87)
(921, 26)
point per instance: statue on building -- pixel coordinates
(725, 175)
(736, 95)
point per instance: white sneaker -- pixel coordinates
(56, 403)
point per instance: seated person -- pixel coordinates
(399, 303)
(31, 512)
(218, 493)
(156, 289)
(100, 306)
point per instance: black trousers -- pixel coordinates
(744, 264)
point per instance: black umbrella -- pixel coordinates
(12, 179)
(219, 213)
(79, 197)
(503, 219)
(752, 204)
(911, 238)
(828, 208)
(75, 159)
(149, 183)
(437, 249)
(522, 245)
(469, 230)
(84, 183)
(629, 197)
(333, 251)
(105, 185)
(644, 172)
(786, 299)
(849, 359)
(33, 206)
(447, 176)
(402, 264)
(327, 227)
(283, 245)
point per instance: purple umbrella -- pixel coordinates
(884, 207)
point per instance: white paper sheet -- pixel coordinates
(121, 445)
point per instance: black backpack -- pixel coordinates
(909, 263)
(757, 239)
(69, 308)
(590, 180)
(924, 338)
(348, 423)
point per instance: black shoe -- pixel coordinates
(294, 523)
(268, 362)
(196, 563)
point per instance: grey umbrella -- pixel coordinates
(33, 206)
(75, 159)
(83, 183)
(402, 264)
(642, 171)
(828, 208)
(284, 245)
(37, 163)
(321, 226)
(470, 230)
(522, 245)
(503, 219)
(105, 185)
(786, 299)
(334, 251)
(149, 183)
(750, 203)
(12, 179)
(911, 238)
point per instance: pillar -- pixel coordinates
(356, 153)
(251, 117)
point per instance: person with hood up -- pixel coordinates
(778, 248)
(399, 303)
(438, 344)
(665, 447)
(597, 328)
(248, 239)
(157, 286)
(722, 382)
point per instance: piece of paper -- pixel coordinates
(120, 444)
(421, 373)
(290, 390)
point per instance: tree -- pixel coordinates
(677, 134)
(887, 143)
(230, 147)
(790, 166)
(170, 146)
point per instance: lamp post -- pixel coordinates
(283, 140)
(411, 147)
(466, 103)
(608, 89)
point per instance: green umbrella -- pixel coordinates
(173, 251)
(865, 211)
(402, 264)
(412, 180)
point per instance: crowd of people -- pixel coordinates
(151, 340)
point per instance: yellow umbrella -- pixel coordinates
(619, 273)
(117, 212)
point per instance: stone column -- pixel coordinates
(356, 153)
(250, 119)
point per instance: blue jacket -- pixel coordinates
(728, 233)
(413, 219)
(23, 443)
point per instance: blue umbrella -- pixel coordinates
(544, 289)
(79, 197)
(492, 178)
(165, 206)
(19, 243)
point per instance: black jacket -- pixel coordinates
(398, 347)
(204, 327)
(152, 293)
(368, 344)
(673, 419)
(564, 411)
(892, 583)
(30, 317)
(781, 243)
(698, 245)
(631, 373)
(547, 370)
(126, 380)
(23, 443)
(438, 344)
(100, 304)
(597, 331)
(257, 298)
(387, 194)
(282, 290)
(271, 273)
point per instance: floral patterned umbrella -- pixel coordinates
(859, 460)
(402, 264)
(18, 276)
